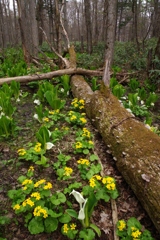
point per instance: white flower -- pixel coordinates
(152, 104)
(36, 101)
(81, 201)
(138, 98)
(81, 215)
(49, 145)
(62, 89)
(36, 116)
(142, 102)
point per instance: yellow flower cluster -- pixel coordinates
(48, 185)
(72, 118)
(83, 161)
(37, 148)
(135, 233)
(29, 202)
(78, 104)
(83, 120)
(86, 133)
(16, 207)
(38, 210)
(40, 182)
(98, 177)
(92, 182)
(31, 169)
(21, 152)
(68, 171)
(71, 227)
(78, 145)
(54, 112)
(110, 183)
(45, 119)
(121, 225)
(27, 181)
(36, 195)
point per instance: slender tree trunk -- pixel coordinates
(87, 7)
(109, 50)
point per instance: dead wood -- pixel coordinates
(135, 148)
(50, 75)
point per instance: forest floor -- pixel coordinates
(11, 168)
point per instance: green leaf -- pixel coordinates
(72, 213)
(96, 229)
(54, 214)
(86, 151)
(65, 218)
(93, 157)
(36, 226)
(51, 224)
(87, 234)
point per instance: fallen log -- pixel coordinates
(50, 75)
(135, 148)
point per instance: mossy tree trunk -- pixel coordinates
(135, 148)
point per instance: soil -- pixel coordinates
(10, 169)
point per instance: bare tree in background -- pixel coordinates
(110, 40)
(87, 7)
(28, 28)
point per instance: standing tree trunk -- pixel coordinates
(87, 7)
(156, 19)
(111, 26)
(28, 28)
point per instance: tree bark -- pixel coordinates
(134, 147)
(111, 27)
(50, 75)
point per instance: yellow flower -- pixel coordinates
(36, 195)
(121, 225)
(27, 181)
(39, 182)
(136, 234)
(21, 152)
(29, 202)
(111, 186)
(81, 101)
(83, 161)
(78, 145)
(81, 107)
(73, 226)
(45, 119)
(68, 171)
(83, 120)
(92, 182)
(90, 142)
(51, 112)
(107, 180)
(16, 207)
(65, 228)
(38, 210)
(31, 168)
(72, 118)
(48, 186)
(98, 177)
